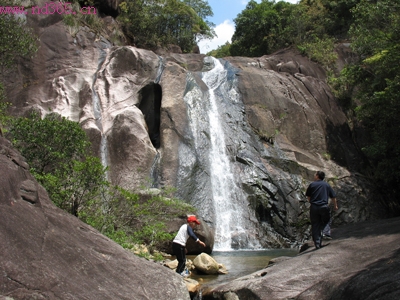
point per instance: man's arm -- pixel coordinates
(334, 201)
(193, 236)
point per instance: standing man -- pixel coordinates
(318, 194)
(179, 243)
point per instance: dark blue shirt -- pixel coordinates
(319, 192)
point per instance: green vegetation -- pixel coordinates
(16, 40)
(321, 51)
(130, 218)
(159, 23)
(373, 84)
(149, 24)
(58, 153)
(262, 28)
(311, 25)
(74, 21)
(221, 51)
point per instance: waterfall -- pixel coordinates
(97, 111)
(229, 203)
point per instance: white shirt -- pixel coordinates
(183, 234)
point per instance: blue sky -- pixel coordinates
(224, 13)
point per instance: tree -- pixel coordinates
(221, 51)
(262, 28)
(151, 24)
(16, 39)
(375, 78)
(338, 17)
(57, 151)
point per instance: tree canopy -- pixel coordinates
(57, 151)
(261, 28)
(375, 80)
(16, 40)
(158, 23)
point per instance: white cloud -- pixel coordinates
(224, 33)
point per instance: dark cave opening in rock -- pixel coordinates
(150, 105)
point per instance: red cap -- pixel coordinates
(193, 219)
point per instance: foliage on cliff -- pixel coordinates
(16, 39)
(265, 27)
(372, 84)
(159, 23)
(57, 151)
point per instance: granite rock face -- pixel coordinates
(47, 253)
(148, 118)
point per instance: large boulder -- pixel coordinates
(46, 253)
(206, 264)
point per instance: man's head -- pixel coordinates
(192, 219)
(320, 175)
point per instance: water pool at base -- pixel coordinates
(240, 263)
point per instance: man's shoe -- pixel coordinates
(185, 274)
(326, 237)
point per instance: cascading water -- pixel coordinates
(97, 111)
(233, 230)
(223, 184)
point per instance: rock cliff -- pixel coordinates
(148, 117)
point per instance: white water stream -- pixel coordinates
(226, 194)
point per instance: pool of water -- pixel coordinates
(240, 263)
